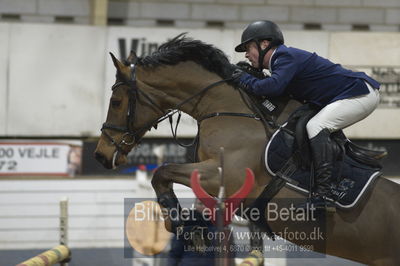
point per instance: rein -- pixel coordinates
(136, 136)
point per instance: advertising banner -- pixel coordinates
(44, 158)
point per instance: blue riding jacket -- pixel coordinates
(308, 77)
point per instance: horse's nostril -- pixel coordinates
(101, 158)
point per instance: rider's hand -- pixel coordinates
(258, 73)
(237, 74)
(236, 79)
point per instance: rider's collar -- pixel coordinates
(270, 60)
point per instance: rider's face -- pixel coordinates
(252, 53)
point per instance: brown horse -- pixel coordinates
(178, 76)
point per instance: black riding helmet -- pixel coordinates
(258, 31)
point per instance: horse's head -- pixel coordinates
(124, 127)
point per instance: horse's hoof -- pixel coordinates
(168, 225)
(172, 226)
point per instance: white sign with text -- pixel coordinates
(24, 158)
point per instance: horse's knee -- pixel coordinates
(159, 178)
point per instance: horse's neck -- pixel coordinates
(174, 84)
(180, 82)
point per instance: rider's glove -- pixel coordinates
(237, 79)
(237, 74)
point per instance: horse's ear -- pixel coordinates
(118, 65)
(132, 58)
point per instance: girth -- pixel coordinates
(228, 114)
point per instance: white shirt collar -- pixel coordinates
(270, 60)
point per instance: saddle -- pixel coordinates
(296, 126)
(288, 156)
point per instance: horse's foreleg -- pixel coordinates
(166, 175)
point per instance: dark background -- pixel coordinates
(176, 154)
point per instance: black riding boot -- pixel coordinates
(324, 152)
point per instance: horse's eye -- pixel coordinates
(115, 103)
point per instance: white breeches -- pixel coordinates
(343, 113)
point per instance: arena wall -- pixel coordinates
(4, 35)
(341, 15)
(56, 79)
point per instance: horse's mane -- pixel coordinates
(182, 48)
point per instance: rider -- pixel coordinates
(344, 97)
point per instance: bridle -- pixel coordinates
(136, 136)
(134, 91)
(130, 118)
(127, 130)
